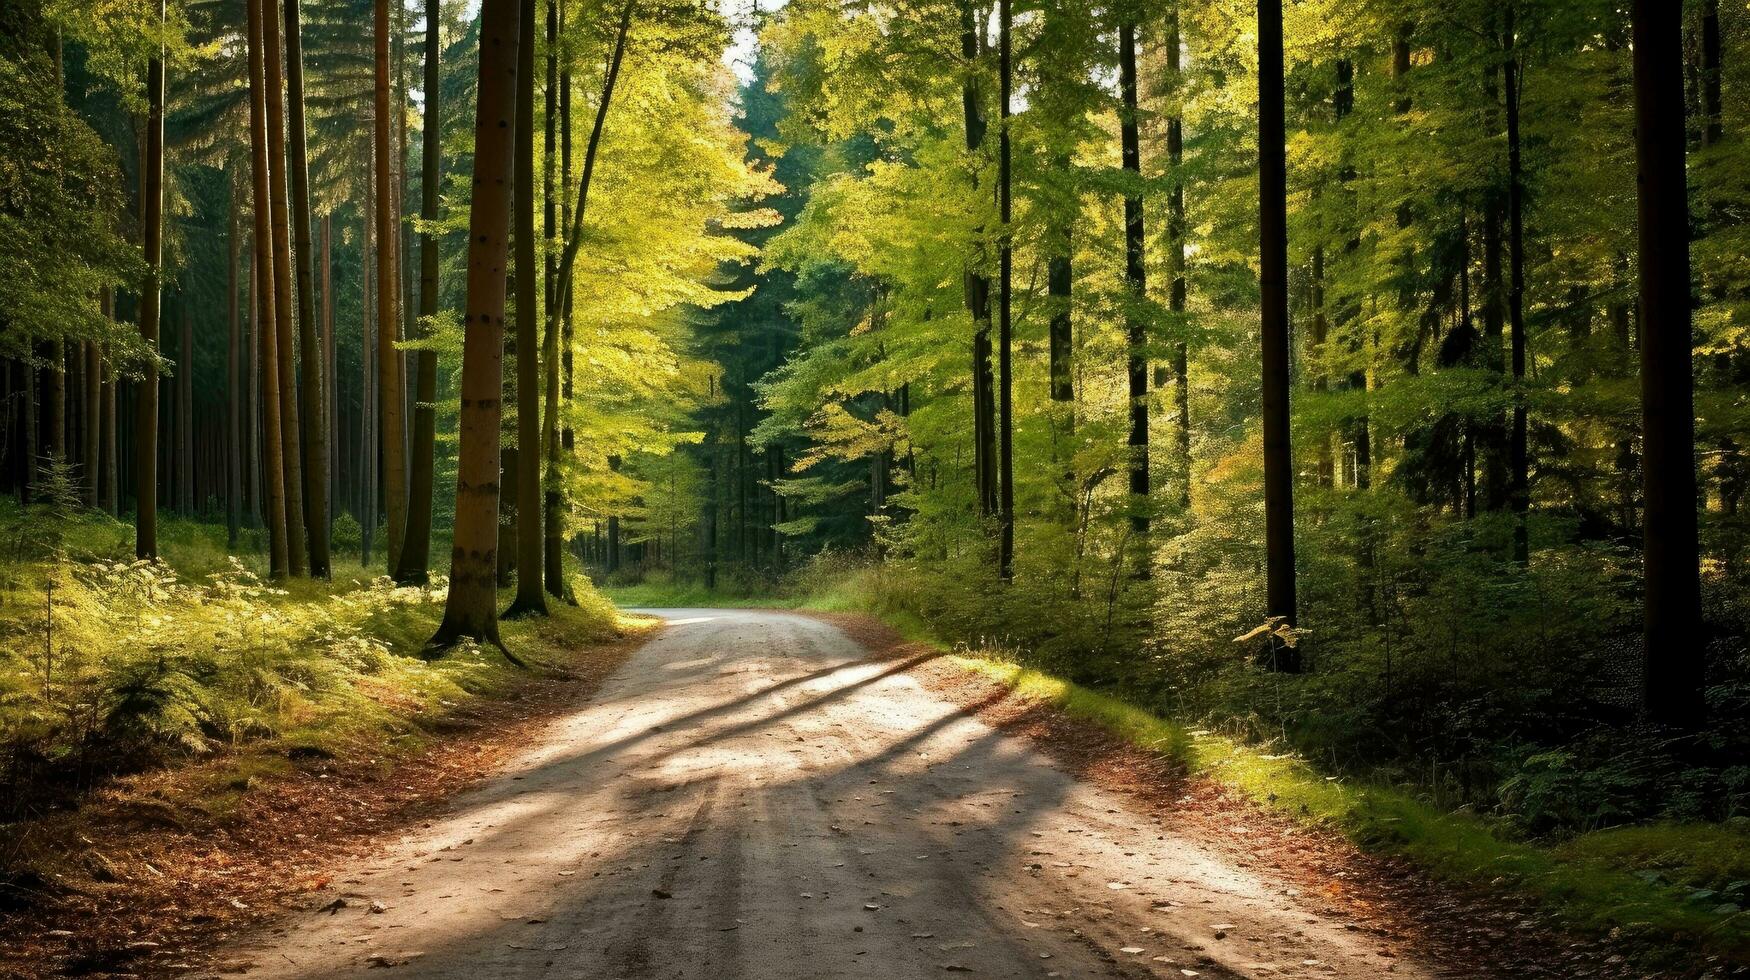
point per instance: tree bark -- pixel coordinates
(283, 297)
(1273, 266)
(530, 596)
(416, 550)
(567, 437)
(331, 386)
(553, 523)
(1519, 487)
(470, 609)
(1005, 338)
(978, 290)
(272, 423)
(312, 380)
(185, 462)
(368, 397)
(1176, 294)
(1135, 281)
(389, 394)
(93, 392)
(1673, 647)
(146, 404)
(233, 390)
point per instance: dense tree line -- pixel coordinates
(1368, 335)
(217, 309)
(1366, 332)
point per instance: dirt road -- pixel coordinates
(750, 797)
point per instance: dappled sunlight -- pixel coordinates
(763, 800)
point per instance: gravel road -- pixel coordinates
(751, 797)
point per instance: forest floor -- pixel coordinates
(759, 794)
(153, 868)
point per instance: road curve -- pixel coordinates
(750, 798)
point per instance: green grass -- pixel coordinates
(1674, 888)
(109, 665)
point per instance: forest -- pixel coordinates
(1333, 413)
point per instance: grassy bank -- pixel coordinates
(111, 666)
(1671, 889)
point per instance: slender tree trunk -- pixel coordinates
(471, 610)
(567, 437)
(331, 387)
(93, 391)
(252, 404)
(55, 400)
(367, 484)
(390, 395)
(32, 452)
(1005, 338)
(1060, 288)
(1176, 231)
(1273, 265)
(108, 485)
(185, 462)
(530, 596)
(1674, 644)
(285, 336)
(1135, 281)
(553, 523)
(573, 237)
(1519, 490)
(416, 550)
(272, 428)
(1713, 129)
(978, 290)
(233, 390)
(146, 425)
(312, 380)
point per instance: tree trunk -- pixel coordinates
(1673, 646)
(574, 237)
(185, 462)
(530, 596)
(331, 387)
(285, 335)
(55, 400)
(471, 610)
(1273, 266)
(368, 433)
(1176, 295)
(252, 403)
(233, 390)
(1135, 281)
(567, 437)
(389, 394)
(314, 414)
(978, 291)
(1005, 338)
(108, 476)
(94, 410)
(1713, 129)
(146, 405)
(1519, 487)
(554, 538)
(1059, 288)
(416, 550)
(272, 423)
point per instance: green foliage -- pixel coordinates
(112, 664)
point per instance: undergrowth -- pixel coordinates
(111, 665)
